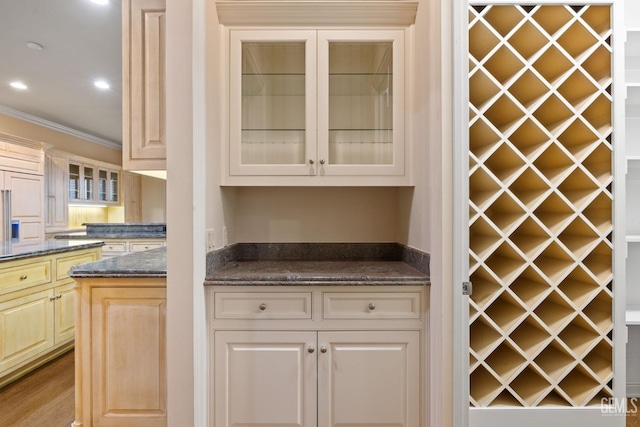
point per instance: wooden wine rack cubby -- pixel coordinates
(540, 207)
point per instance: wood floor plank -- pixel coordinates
(44, 398)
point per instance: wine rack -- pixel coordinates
(540, 208)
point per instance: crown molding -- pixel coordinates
(317, 13)
(58, 127)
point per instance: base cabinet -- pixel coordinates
(324, 378)
(317, 357)
(121, 352)
(37, 310)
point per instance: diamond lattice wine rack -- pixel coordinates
(540, 204)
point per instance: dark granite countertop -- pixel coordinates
(129, 230)
(11, 251)
(152, 263)
(317, 264)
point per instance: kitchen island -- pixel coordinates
(120, 340)
(332, 334)
(37, 314)
(122, 238)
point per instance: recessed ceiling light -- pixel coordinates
(34, 45)
(100, 2)
(18, 85)
(101, 84)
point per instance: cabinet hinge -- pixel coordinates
(467, 288)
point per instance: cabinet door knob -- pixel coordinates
(323, 349)
(52, 298)
(263, 306)
(23, 277)
(372, 306)
(311, 161)
(322, 161)
(59, 296)
(311, 349)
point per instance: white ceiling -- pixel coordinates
(82, 43)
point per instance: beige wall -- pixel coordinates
(59, 140)
(317, 214)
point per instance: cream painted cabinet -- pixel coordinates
(316, 356)
(265, 378)
(121, 352)
(57, 192)
(26, 327)
(37, 310)
(311, 107)
(34, 323)
(144, 139)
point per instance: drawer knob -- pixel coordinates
(323, 349)
(263, 306)
(311, 349)
(23, 277)
(372, 306)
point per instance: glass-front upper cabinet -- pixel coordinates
(320, 106)
(272, 102)
(92, 184)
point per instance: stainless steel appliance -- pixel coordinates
(10, 229)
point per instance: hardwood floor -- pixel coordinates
(44, 398)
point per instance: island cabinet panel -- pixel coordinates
(129, 365)
(360, 369)
(121, 352)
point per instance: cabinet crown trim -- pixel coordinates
(317, 13)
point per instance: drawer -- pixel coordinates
(263, 305)
(114, 247)
(371, 305)
(26, 275)
(64, 263)
(143, 246)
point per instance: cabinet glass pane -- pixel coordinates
(273, 103)
(360, 103)
(113, 186)
(102, 186)
(74, 182)
(88, 183)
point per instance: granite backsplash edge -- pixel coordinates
(318, 251)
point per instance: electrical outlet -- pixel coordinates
(225, 241)
(211, 239)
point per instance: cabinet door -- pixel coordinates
(264, 379)
(128, 326)
(272, 103)
(64, 320)
(57, 210)
(26, 328)
(132, 197)
(369, 378)
(144, 140)
(361, 102)
(27, 204)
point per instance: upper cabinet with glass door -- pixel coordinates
(317, 108)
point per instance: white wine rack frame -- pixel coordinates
(540, 205)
